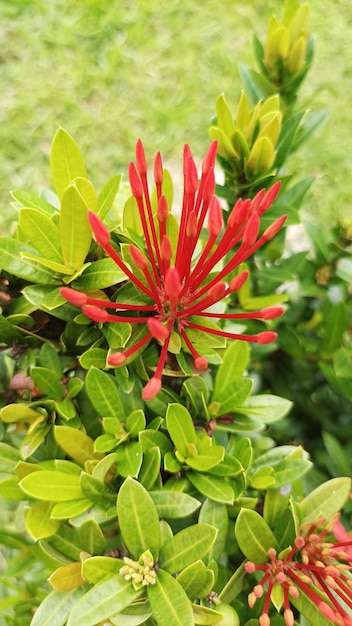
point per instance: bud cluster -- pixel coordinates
(141, 573)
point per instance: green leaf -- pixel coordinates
(56, 606)
(67, 510)
(99, 275)
(18, 413)
(103, 600)
(207, 459)
(256, 85)
(235, 361)
(48, 382)
(150, 468)
(204, 616)
(75, 231)
(138, 519)
(254, 536)
(52, 485)
(104, 394)
(66, 161)
(231, 397)
(39, 229)
(97, 491)
(336, 323)
(9, 457)
(94, 357)
(212, 487)
(92, 538)
(75, 443)
(233, 586)
(180, 426)
(67, 577)
(30, 200)
(266, 407)
(326, 500)
(129, 457)
(215, 514)
(197, 580)
(290, 470)
(174, 504)
(11, 252)
(107, 195)
(8, 333)
(310, 610)
(169, 602)
(97, 569)
(39, 523)
(189, 545)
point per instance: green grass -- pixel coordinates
(110, 71)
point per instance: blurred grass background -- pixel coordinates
(110, 71)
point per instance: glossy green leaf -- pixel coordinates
(169, 602)
(56, 606)
(39, 229)
(205, 616)
(254, 536)
(78, 445)
(232, 396)
(64, 544)
(107, 195)
(266, 407)
(290, 470)
(99, 274)
(11, 251)
(97, 569)
(129, 457)
(104, 394)
(52, 485)
(233, 586)
(117, 334)
(9, 457)
(92, 538)
(207, 459)
(30, 200)
(66, 161)
(138, 519)
(326, 500)
(189, 545)
(197, 580)
(150, 468)
(8, 333)
(335, 324)
(173, 504)
(180, 426)
(39, 523)
(67, 577)
(70, 509)
(103, 600)
(75, 231)
(150, 438)
(215, 514)
(94, 357)
(18, 413)
(48, 382)
(235, 361)
(212, 487)
(97, 491)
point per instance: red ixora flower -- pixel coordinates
(179, 282)
(315, 566)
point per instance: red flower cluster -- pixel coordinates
(179, 282)
(317, 567)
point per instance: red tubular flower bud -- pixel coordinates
(162, 210)
(288, 617)
(141, 162)
(151, 389)
(249, 567)
(191, 176)
(272, 312)
(238, 282)
(217, 292)
(201, 363)
(268, 336)
(191, 226)
(186, 154)
(117, 359)
(269, 197)
(156, 329)
(257, 200)
(274, 228)
(172, 283)
(138, 258)
(215, 221)
(327, 611)
(166, 249)
(251, 230)
(239, 214)
(95, 314)
(75, 297)
(210, 156)
(264, 620)
(100, 231)
(209, 185)
(135, 181)
(158, 169)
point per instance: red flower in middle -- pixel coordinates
(182, 283)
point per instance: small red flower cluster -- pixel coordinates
(317, 567)
(178, 281)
